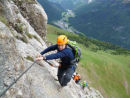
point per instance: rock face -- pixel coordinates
(30, 10)
(22, 28)
(35, 15)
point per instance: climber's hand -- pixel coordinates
(59, 65)
(39, 58)
(38, 55)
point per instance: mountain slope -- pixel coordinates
(109, 73)
(106, 20)
(53, 10)
(70, 4)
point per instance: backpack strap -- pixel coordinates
(72, 48)
(76, 52)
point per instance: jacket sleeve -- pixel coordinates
(55, 56)
(51, 48)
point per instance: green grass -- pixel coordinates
(93, 44)
(36, 38)
(108, 73)
(4, 20)
(29, 35)
(29, 58)
(23, 38)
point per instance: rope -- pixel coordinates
(48, 62)
(16, 80)
(51, 64)
(3, 93)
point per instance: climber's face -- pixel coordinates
(61, 47)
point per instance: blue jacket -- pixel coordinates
(66, 55)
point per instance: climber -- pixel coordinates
(84, 84)
(76, 78)
(67, 65)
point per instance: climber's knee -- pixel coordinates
(65, 79)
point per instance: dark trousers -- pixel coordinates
(65, 74)
(77, 81)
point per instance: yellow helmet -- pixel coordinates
(62, 40)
